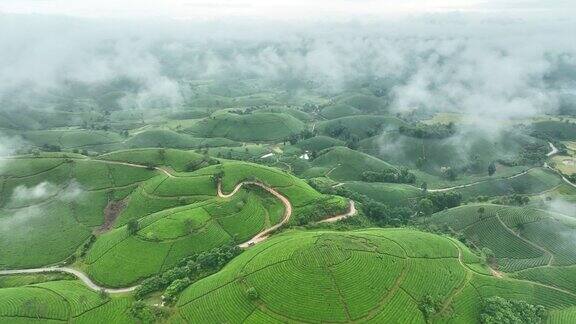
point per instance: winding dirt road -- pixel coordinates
(256, 239)
(78, 274)
(553, 148)
(264, 234)
(287, 211)
(479, 182)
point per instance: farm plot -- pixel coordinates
(169, 235)
(60, 301)
(252, 127)
(366, 275)
(519, 237)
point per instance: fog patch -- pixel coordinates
(19, 218)
(561, 206)
(40, 191)
(73, 192)
(44, 190)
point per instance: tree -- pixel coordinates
(252, 293)
(481, 212)
(133, 226)
(103, 294)
(491, 168)
(424, 186)
(500, 310)
(425, 207)
(376, 211)
(450, 173)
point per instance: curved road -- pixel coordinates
(256, 239)
(287, 211)
(79, 274)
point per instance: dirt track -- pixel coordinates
(256, 239)
(287, 211)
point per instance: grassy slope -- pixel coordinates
(372, 275)
(68, 205)
(251, 128)
(180, 216)
(520, 237)
(343, 164)
(63, 300)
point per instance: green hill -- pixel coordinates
(362, 126)
(318, 143)
(560, 130)
(338, 110)
(61, 301)
(366, 103)
(368, 276)
(343, 164)
(472, 151)
(166, 138)
(520, 237)
(251, 128)
(391, 194)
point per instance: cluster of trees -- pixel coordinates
(147, 313)
(295, 138)
(319, 209)
(514, 200)
(385, 215)
(444, 200)
(188, 270)
(499, 310)
(437, 201)
(50, 148)
(428, 131)
(340, 131)
(380, 213)
(198, 164)
(430, 306)
(401, 175)
(449, 173)
(530, 154)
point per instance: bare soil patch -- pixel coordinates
(111, 212)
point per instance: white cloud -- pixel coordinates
(42, 190)
(19, 218)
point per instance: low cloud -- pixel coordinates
(561, 206)
(71, 192)
(19, 218)
(42, 190)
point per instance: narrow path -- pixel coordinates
(161, 169)
(546, 165)
(265, 233)
(479, 182)
(546, 252)
(256, 239)
(79, 274)
(351, 212)
(553, 148)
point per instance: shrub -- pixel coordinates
(500, 310)
(252, 293)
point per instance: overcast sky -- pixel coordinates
(274, 9)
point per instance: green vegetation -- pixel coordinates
(252, 127)
(558, 130)
(213, 211)
(500, 310)
(344, 164)
(519, 237)
(366, 275)
(61, 300)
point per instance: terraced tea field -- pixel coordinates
(520, 237)
(360, 276)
